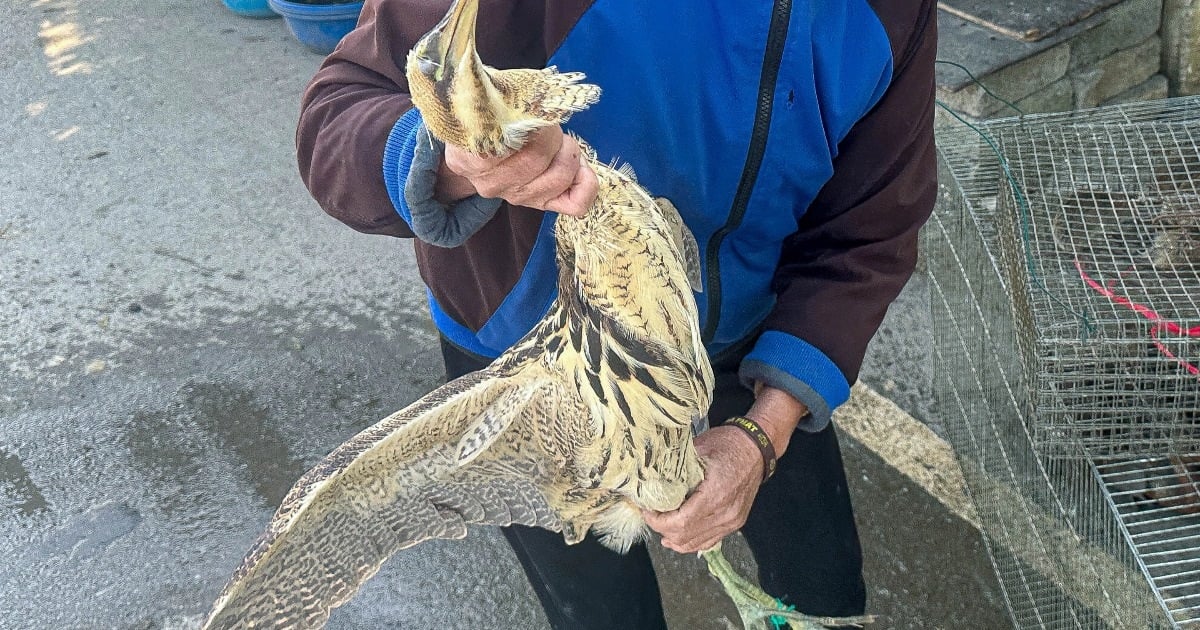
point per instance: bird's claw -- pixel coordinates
(756, 607)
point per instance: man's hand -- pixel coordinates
(733, 471)
(719, 505)
(548, 173)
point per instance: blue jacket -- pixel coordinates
(794, 137)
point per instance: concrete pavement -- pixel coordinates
(183, 333)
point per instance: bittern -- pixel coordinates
(581, 425)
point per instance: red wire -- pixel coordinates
(1161, 323)
(1171, 355)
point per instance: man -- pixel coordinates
(794, 137)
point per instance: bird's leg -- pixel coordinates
(755, 606)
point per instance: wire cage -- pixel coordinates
(1100, 245)
(1063, 288)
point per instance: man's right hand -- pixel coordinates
(548, 173)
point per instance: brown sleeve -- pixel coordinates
(360, 91)
(856, 246)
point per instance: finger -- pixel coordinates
(707, 546)
(578, 199)
(665, 523)
(706, 543)
(557, 179)
(694, 541)
(688, 523)
(700, 533)
(531, 160)
(666, 543)
(467, 164)
(702, 540)
(502, 178)
(680, 548)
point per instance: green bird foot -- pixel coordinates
(757, 608)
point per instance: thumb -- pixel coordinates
(578, 198)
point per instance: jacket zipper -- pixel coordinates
(772, 58)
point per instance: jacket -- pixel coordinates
(795, 137)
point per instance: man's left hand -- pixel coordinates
(733, 470)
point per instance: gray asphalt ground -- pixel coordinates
(183, 333)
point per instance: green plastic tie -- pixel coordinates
(778, 622)
(1086, 328)
(985, 88)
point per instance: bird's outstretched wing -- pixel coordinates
(424, 472)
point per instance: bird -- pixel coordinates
(581, 425)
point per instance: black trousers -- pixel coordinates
(801, 531)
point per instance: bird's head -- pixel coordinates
(452, 88)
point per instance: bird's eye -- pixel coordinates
(427, 66)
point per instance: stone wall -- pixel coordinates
(1112, 57)
(1181, 45)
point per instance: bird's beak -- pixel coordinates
(457, 33)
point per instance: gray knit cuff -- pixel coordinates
(432, 221)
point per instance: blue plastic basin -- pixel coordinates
(250, 8)
(318, 26)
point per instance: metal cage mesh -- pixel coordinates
(1100, 243)
(1050, 384)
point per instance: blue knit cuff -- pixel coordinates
(411, 159)
(397, 160)
(797, 367)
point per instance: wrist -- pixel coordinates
(778, 413)
(765, 451)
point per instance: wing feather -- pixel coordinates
(393, 485)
